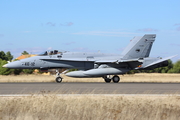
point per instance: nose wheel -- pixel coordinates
(58, 77)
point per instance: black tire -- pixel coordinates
(107, 80)
(58, 79)
(116, 79)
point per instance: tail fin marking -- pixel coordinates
(139, 47)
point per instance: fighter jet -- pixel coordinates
(108, 66)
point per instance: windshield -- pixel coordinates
(54, 52)
(43, 53)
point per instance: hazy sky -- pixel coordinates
(88, 25)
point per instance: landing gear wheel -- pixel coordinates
(116, 79)
(107, 80)
(59, 79)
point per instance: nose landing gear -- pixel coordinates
(58, 77)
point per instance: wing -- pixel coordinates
(67, 59)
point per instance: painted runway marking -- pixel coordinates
(73, 95)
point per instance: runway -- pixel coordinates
(90, 88)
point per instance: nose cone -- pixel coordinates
(13, 65)
(5, 66)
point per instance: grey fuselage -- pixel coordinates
(82, 61)
(91, 63)
(134, 56)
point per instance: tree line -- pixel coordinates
(8, 57)
(5, 57)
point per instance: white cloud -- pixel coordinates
(9, 44)
(1, 35)
(69, 43)
(27, 31)
(174, 44)
(105, 33)
(177, 24)
(49, 48)
(67, 24)
(178, 29)
(51, 24)
(83, 49)
(148, 30)
(61, 24)
(80, 49)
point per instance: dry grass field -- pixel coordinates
(141, 77)
(52, 107)
(90, 107)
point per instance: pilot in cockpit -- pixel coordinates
(55, 52)
(50, 52)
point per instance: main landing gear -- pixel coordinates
(108, 78)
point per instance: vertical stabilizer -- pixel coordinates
(139, 47)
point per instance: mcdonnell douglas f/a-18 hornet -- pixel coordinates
(108, 66)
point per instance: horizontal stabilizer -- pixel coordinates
(159, 61)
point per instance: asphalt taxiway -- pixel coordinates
(90, 88)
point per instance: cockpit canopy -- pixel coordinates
(51, 52)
